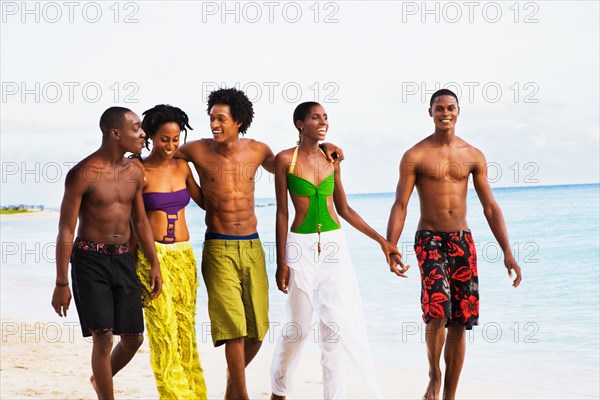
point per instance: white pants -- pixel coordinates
(325, 283)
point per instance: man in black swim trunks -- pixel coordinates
(104, 191)
(439, 166)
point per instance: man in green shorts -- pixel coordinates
(233, 260)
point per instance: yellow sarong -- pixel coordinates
(170, 322)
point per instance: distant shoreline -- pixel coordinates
(262, 200)
(13, 211)
(27, 214)
(501, 188)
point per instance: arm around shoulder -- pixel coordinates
(192, 186)
(189, 152)
(268, 156)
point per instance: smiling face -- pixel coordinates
(131, 135)
(444, 112)
(222, 124)
(315, 124)
(166, 140)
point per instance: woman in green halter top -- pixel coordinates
(314, 267)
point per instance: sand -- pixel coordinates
(48, 358)
(51, 360)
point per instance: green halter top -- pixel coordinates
(317, 218)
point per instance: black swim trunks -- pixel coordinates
(449, 282)
(106, 288)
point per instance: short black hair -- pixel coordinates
(442, 92)
(112, 118)
(239, 105)
(160, 115)
(302, 111)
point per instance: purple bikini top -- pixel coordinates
(170, 203)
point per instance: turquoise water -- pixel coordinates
(543, 334)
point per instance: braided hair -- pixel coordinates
(160, 115)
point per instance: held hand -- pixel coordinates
(61, 298)
(511, 265)
(393, 258)
(388, 249)
(396, 260)
(156, 282)
(330, 149)
(282, 277)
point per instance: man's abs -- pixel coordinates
(231, 217)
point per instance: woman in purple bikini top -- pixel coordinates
(170, 203)
(170, 183)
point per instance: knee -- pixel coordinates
(294, 333)
(436, 323)
(132, 342)
(456, 332)
(103, 341)
(230, 343)
(252, 343)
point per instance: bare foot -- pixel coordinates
(433, 389)
(93, 382)
(277, 397)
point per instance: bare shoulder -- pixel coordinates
(181, 165)
(473, 151)
(285, 156)
(138, 162)
(83, 168)
(471, 155)
(76, 174)
(419, 150)
(134, 167)
(257, 145)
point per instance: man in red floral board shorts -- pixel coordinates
(448, 266)
(439, 167)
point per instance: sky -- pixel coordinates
(527, 75)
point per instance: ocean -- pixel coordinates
(543, 334)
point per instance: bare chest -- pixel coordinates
(226, 172)
(444, 170)
(109, 187)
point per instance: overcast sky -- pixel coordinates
(527, 74)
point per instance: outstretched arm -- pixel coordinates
(494, 216)
(406, 184)
(348, 213)
(282, 276)
(75, 188)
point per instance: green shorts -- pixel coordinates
(235, 276)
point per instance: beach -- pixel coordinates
(521, 350)
(50, 360)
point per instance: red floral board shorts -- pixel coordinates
(449, 283)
